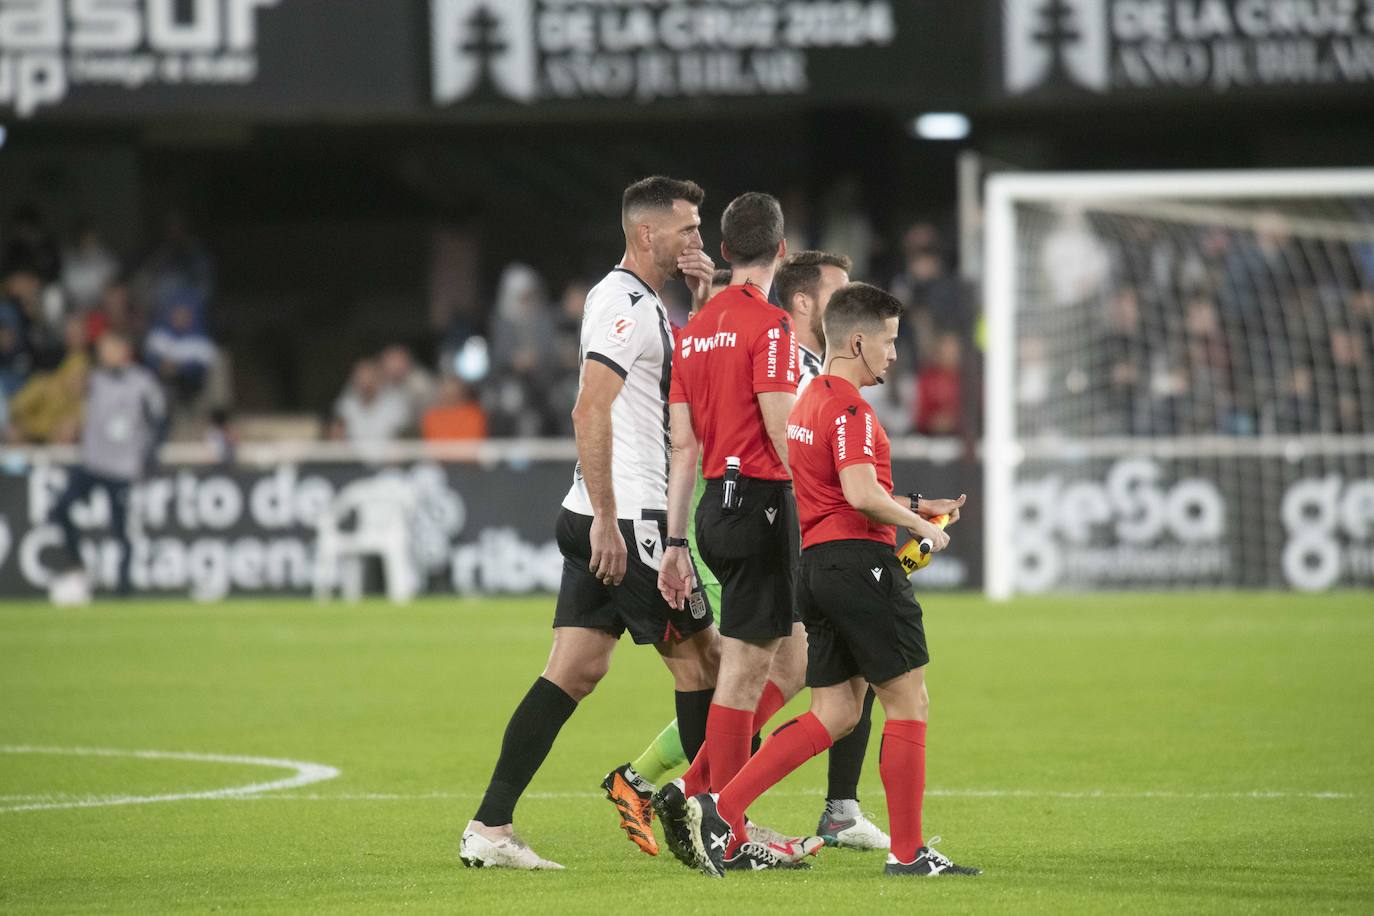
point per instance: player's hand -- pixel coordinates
(934, 508)
(697, 270)
(675, 576)
(929, 531)
(608, 551)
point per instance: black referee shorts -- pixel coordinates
(753, 552)
(636, 603)
(860, 612)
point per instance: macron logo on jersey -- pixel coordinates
(692, 345)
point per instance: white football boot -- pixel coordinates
(477, 851)
(850, 828)
(790, 849)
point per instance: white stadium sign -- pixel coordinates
(49, 47)
(1104, 46)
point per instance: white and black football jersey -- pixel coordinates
(809, 366)
(625, 327)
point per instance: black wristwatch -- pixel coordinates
(674, 542)
(915, 501)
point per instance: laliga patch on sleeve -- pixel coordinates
(621, 329)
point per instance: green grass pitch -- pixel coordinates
(1151, 754)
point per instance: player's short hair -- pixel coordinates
(859, 307)
(751, 228)
(721, 277)
(658, 192)
(801, 273)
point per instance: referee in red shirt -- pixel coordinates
(734, 383)
(863, 623)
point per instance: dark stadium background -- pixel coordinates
(352, 195)
(323, 219)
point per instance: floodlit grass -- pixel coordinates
(1151, 754)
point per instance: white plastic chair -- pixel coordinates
(383, 507)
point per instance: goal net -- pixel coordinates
(1180, 381)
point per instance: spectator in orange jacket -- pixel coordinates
(456, 415)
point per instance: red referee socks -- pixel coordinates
(712, 769)
(729, 738)
(769, 703)
(902, 765)
(697, 779)
(795, 742)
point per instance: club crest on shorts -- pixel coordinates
(696, 601)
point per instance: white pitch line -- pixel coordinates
(305, 774)
(310, 773)
(939, 793)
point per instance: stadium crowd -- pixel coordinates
(58, 297)
(1146, 327)
(513, 375)
(1139, 327)
(530, 350)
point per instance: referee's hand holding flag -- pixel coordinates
(927, 530)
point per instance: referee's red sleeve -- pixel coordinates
(774, 354)
(852, 437)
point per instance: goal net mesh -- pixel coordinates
(1194, 392)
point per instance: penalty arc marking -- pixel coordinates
(304, 774)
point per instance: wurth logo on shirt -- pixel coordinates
(800, 434)
(691, 345)
(840, 438)
(868, 435)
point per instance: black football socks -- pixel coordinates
(529, 736)
(693, 706)
(847, 756)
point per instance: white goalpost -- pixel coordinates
(1179, 380)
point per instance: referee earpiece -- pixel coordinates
(859, 348)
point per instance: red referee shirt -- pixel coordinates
(830, 428)
(739, 345)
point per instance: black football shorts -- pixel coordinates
(861, 614)
(753, 552)
(636, 603)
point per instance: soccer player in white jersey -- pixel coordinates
(804, 284)
(618, 498)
